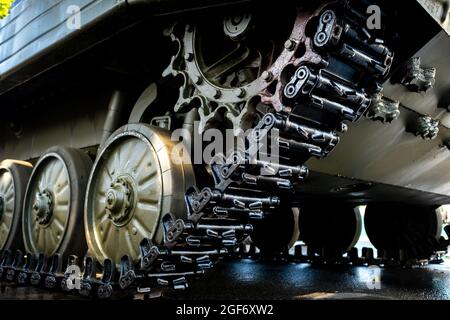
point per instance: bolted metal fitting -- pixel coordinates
(417, 78)
(43, 207)
(426, 127)
(119, 201)
(217, 94)
(198, 80)
(239, 92)
(290, 45)
(383, 109)
(267, 76)
(188, 56)
(238, 26)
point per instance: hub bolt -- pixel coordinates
(217, 94)
(290, 45)
(198, 80)
(267, 76)
(119, 199)
(43, 207)
(239, 92)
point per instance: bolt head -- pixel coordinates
(198, 80)
(189, 56)
(217, 94)
(267, 76)
(239, 92)
(110, 198)
(289, 45)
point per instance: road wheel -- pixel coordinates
(334, 228)
(134, 182)
(402, 231)
(13, 183)
(53, 205)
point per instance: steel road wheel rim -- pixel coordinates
(129, 164)
(7, 204)
(45, 227)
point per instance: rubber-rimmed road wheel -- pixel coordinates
(276, 232)
(333, 227)
(53, 205)
(13, 183)
(412, 230)
(133, 184)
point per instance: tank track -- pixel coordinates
(316, 101)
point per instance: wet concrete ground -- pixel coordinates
(252, 280)
(248, 279)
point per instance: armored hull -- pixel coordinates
(343, 104)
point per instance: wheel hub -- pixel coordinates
(119, 200)
(236, 27)
(43, 207)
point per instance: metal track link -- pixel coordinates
(221, 217)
